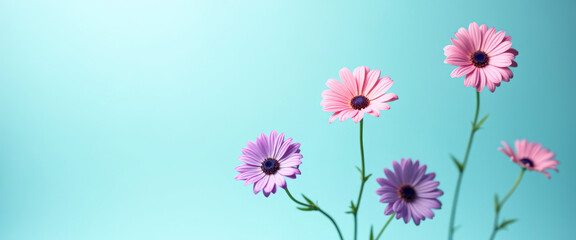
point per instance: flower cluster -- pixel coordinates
(483, 55)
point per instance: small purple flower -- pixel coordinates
(267, 161)
(409, 191)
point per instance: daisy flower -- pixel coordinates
(409, 191)
(362, 92)
(267, 161)
(531, 156)
(483, 55)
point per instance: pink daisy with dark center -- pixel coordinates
(531, 156)
(361, 92)
(267, 161)
(409, 191)
(483, 55)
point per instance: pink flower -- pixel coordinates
(267, 161)
(362, 92)
(531, 156)
(483, 55)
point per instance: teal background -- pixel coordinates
(125, 119)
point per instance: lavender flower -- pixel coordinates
(409, 191)
(267, 161)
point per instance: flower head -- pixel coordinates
(531, 156)
(409, 191)
(362, 92)
(267, 161)
(483, 55)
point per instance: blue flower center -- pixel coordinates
(407, 193)
(359, 102)
(527, 162)
(479, 59)
(270, 166)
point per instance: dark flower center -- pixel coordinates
(479, 59)
(270, 166)
(527, 162)
(359, 102)
(407, 193)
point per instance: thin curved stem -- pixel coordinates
(294, 199)
(315, 207)
(333, 222)
(385, 225)
(513, 187)
(461, 170)
(364, 179)
(501, 204)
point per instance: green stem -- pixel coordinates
(501, 204)
(333, 222)
(362, 171)
(317, 209)
(461, 172)
(385, 225)
(294, 199)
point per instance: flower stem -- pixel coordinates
(294, 199)
(462, 167)
(501, 204)
(364, 179)
(385, 225)
(316, 208)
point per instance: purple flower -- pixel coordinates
(267, 161)
(409, 191)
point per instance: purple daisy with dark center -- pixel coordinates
(267, 161)
(409, 191)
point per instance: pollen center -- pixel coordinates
(407, 193)
(359, 102)
(527, 162)
(479, 59)
(270, 166)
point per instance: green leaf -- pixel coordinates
(496, 203)
(305, 209)
(366, 178)
(308, 200)
(458, 164)
(359, 170)
(481, 122)
(505, 223)
(371, 232)
(352, 208)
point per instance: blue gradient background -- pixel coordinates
(125, 119)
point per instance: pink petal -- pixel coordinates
(502, 47)
(360, 75)
(471, 79)
(475, 35)
(339, 88)
(388, 97)
(381, 87)
(493, 40)
(373, 77)
(502, 60)
(457, 60)
(453, 50)
(462, 70)
(334, 116)
(464, 41)
(349, 81)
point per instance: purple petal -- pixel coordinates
(392, 178)
(260, 184)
